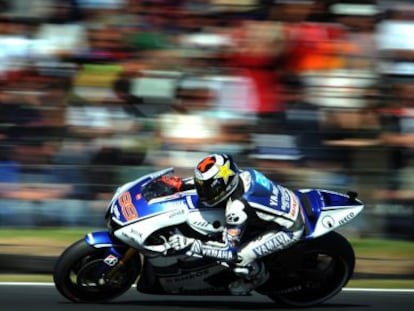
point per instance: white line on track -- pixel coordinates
(26, 284)
(396, 290)
(347, 289)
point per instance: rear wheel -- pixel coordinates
(80, 274)
(313, 272)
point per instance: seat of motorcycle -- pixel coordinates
(312, 210)
(312, 204)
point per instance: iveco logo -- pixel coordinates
(347, 218)
(328, 222)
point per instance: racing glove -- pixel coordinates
(180, 242)
(196, 248)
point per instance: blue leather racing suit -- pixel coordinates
(264, 218)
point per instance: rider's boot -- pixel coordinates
(251, 277)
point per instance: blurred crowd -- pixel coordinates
(94, 93)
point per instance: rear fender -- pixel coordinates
(326, 210)
(334, 217)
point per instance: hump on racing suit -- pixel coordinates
(271, 201)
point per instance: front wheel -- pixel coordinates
(312, 272)
(80, 274)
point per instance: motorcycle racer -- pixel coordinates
(170, 241)
(262, 217)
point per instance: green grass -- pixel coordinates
(26, 278)
(57, 234)
(383, 248)
(364, 248)
(381, 283)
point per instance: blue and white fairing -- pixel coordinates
(326, 210)
(137, 218)
(134, 188)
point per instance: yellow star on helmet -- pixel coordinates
(225, 172)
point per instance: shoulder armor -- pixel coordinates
(246, 178)
(235, 213)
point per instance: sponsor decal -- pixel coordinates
(187, 276)
(347, 218)
(225, 172)
(177, 213)
(285, 200)
(275, 243)
(127, 206)
(274, 200)
(175, 205)
(111, 260)
(262, 180)
(293, 206)
(222, 254)
(196, 247)
(219, 253)
(191, 282)
(135, 235)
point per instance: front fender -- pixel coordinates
(100, 239)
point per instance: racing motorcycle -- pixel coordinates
(105, 264)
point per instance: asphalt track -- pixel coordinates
(25, 296)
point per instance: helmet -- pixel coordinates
(216, 177)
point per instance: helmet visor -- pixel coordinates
(213, 191)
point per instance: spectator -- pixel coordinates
(361, 20)
(123, 92)
(62, 34)
(304, 121)
(96, 134)
(254, 56)
(189, 129)
(398, 136)
(395, 42)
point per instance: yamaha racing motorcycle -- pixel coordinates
(105, 264)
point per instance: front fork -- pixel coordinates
(115, 256)
(121, 262)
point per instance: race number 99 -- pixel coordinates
(127, 207)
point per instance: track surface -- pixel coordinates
(19, 297)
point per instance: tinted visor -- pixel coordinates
(213, 191)
(210, 191)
